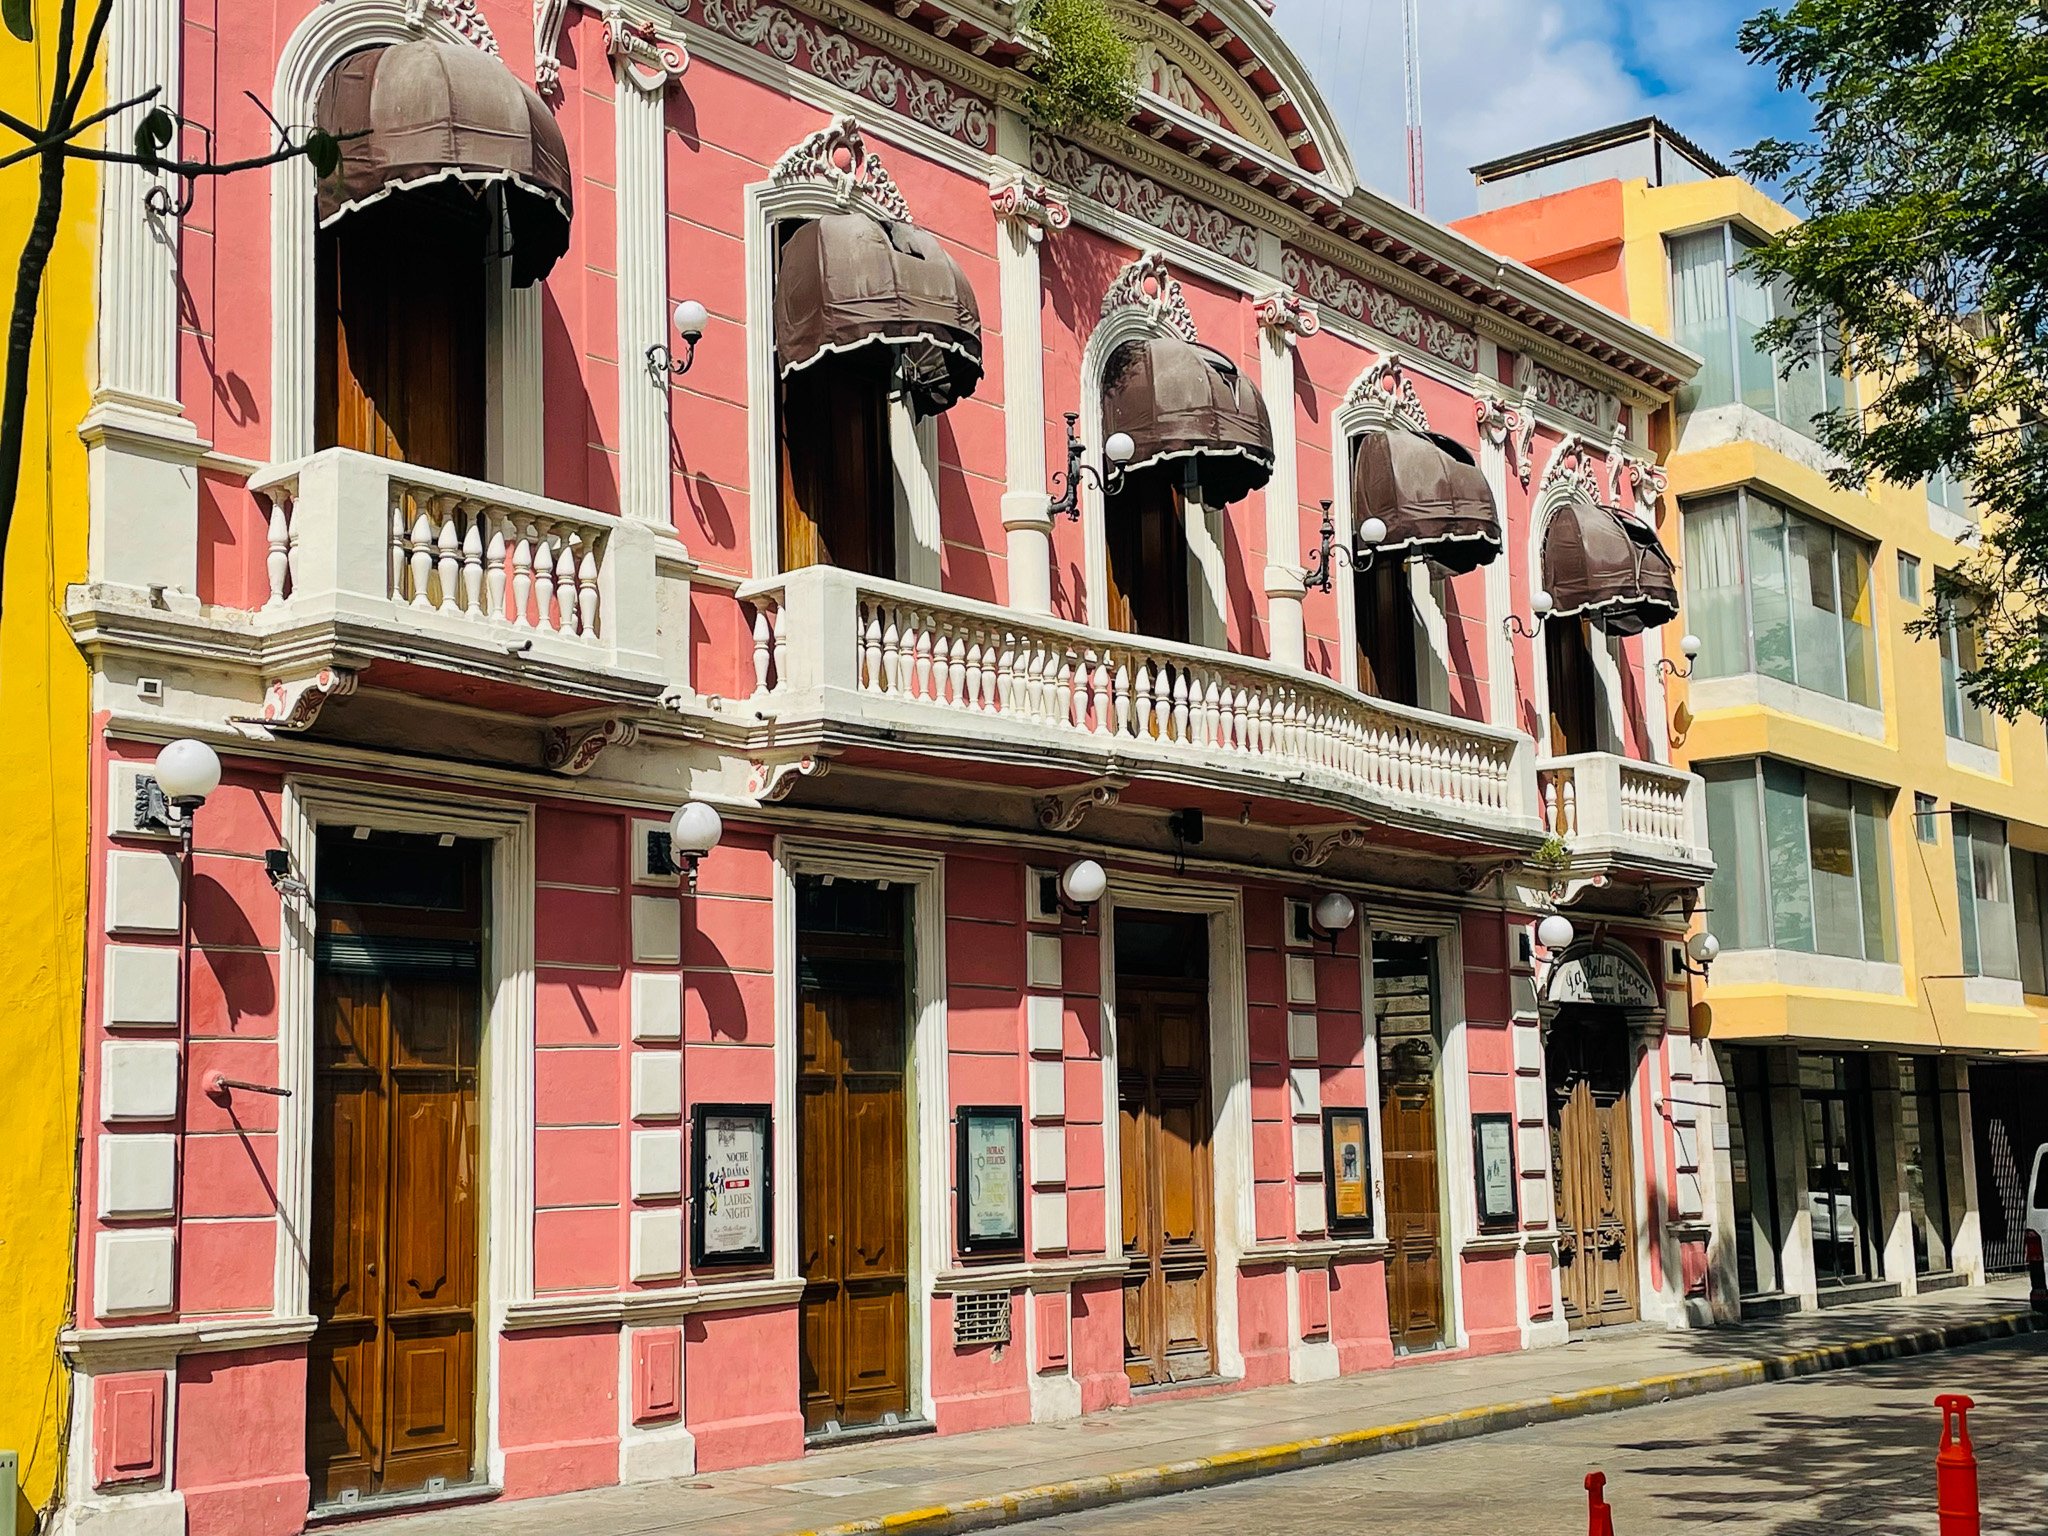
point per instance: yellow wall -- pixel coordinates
(1913, 754)
(44, 705)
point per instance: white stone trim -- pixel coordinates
(508, 1035)
(931, 1146)
(639, 116)
(1230, 1105)
(139, 255)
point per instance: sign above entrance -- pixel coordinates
(1606, 976)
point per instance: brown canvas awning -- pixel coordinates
(1608, 569)
(847, 281)
(441, 117)
(1180, 400)
(1431, 496)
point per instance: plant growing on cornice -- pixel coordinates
(1553, 854)
(1088, 73)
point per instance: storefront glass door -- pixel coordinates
(1841, 1194)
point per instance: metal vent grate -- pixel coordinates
(981, 1317)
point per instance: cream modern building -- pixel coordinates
(1881, 896)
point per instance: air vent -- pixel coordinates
(981, 1317)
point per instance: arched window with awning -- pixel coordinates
(870, 314)
(1201, 439)
(1603, 570)
(449, 164)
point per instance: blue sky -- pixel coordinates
(1503, 75)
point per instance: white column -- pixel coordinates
(1283, 318)
(1025, 212)
(138, 329)
(642, 212)
(515, 423)
(1496, 423)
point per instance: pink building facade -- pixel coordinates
(408, 1096)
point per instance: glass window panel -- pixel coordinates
(1859, 629)
(1966, 895)
(1738, 900)
(1909, 577)
(2031, 918)
(1756, 368)
(1801, 394)
(1834, 380)
(1831, 854)
(1951, 693)
(1926, 824)
(1770, 611)
(1874, 873)
(1786, 856)
(1973, 723)
(1713, 585)
(1699, 316)
(1816, 607)
(1991, 878)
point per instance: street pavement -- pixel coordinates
(1849, 1453)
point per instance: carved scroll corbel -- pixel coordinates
(1312, 849)
(770, 782)
(294, 703)
(1064, 810)
(574, 749)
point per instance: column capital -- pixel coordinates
(642, 53)
(1014, 194)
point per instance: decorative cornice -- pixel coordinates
(462, 18)
(1372, 305)
(837, 158)
(1384, 393)
(1287, 312)
(650, 59)
(831, 54)
(1149, 285)
(1142, 198)
(1511, 428)
(1014, 195)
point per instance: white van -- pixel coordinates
(2037, 1228)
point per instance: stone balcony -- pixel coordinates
(467, 586)
(880, 671)
(1623, 817)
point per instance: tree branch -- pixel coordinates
(56, 139)
(184, 167)
(91, 57)
(19, 125)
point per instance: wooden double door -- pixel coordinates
(1164, 1147)
(398, 1008)
(853, 1180)
(1405, 1026)
(1587, 1060)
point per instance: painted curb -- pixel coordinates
(1438, 1429)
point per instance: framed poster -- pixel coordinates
(1493, 1171)
(731, 1192)
(1347, 1171)
(991, 1179)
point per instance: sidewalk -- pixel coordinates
(962, 1482)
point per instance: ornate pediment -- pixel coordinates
(837, 158)
(1147, 284)
(1385, 395)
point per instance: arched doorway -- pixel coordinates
(1593, 996)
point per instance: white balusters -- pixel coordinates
(278, 536)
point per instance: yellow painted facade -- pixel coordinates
(44, 734)
(1913, 754)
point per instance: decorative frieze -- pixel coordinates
(1561, 392)
(1386, 313)
(1148, 284)
(832, 56)
(1143, 198)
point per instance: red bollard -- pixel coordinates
(1600, 1518)
(1955, 1469)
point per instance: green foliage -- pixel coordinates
(1552, 853)
(20, 18)
(1089, 73)
(1926, 234)
(153, 135)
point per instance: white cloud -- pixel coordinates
(1505, 75)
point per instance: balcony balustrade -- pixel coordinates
(418, 565)
(1617, 811)
(865, 657)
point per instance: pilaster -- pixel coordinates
(1284, 318)
(138, 288)
(1025, 213)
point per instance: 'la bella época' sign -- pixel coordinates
(1603, 976)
